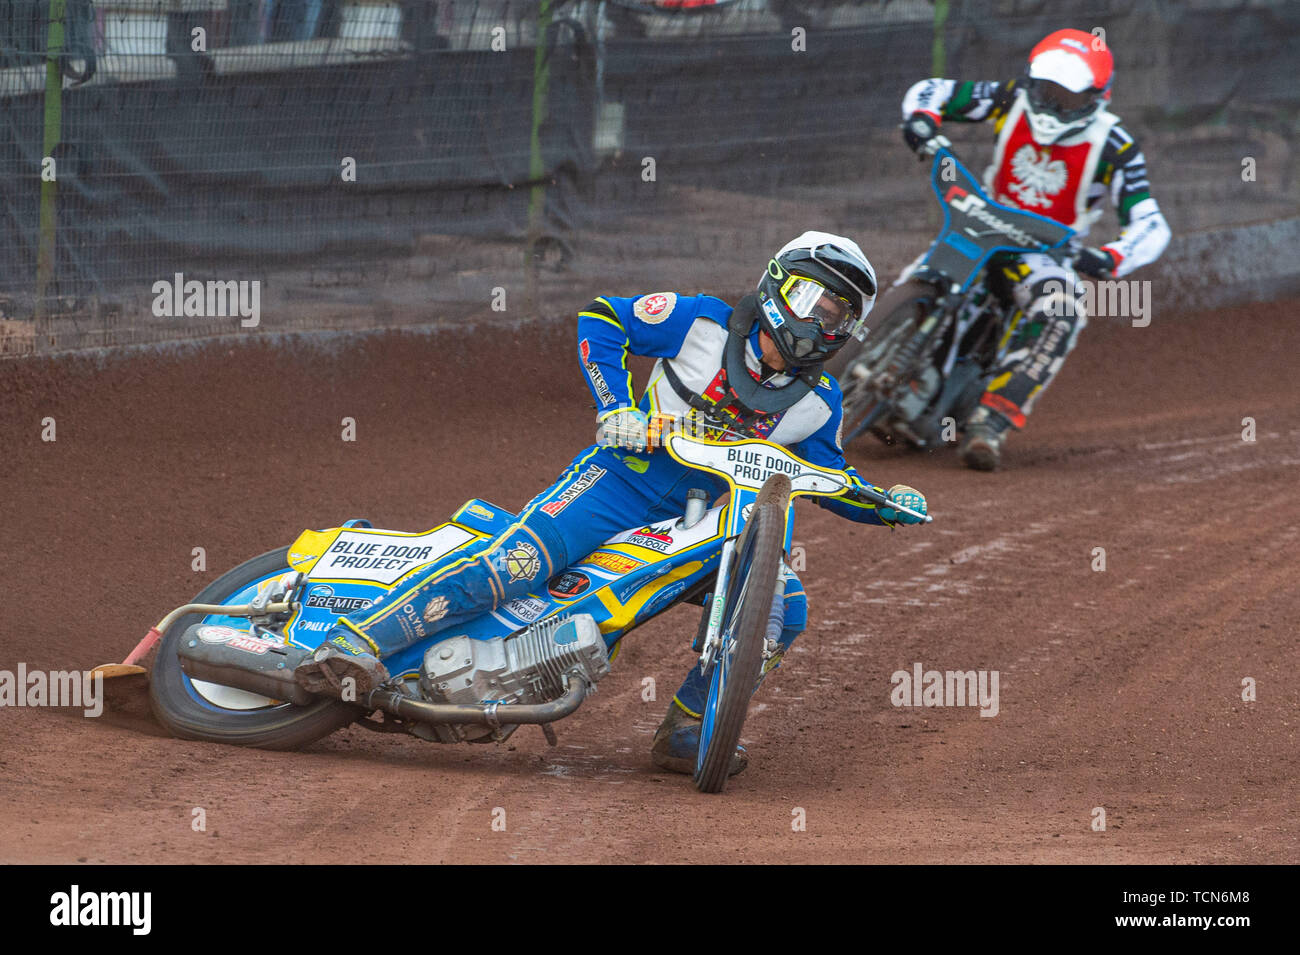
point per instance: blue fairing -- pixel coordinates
(950, 179)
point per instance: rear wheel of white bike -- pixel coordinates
(739, 661)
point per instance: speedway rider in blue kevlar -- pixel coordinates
(1058, 152)
(751, 371)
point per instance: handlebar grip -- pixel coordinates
(868, 495)
(861, 492)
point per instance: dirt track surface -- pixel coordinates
(1119, 689)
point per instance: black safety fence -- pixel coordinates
(329, 145)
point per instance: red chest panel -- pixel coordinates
(717, 392)
(1042, 179)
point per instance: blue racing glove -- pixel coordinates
(908, 497)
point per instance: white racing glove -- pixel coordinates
(921, 133)
(623, 428)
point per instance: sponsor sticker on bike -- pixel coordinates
(661, 600)
(323, 597)
(654, 536)
(213, 634)
(751, 465)
(384, 558)
(569, 584)
(618, 563)
(236, 639)
(627, 588)
(251, 644)
(667, 538)
(975, 207)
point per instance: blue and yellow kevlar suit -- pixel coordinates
(620, 489)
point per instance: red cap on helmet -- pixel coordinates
(1078, 61)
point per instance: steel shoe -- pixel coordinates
(337, 659)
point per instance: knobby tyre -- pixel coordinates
(739, 662)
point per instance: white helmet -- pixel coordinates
(815, 296)
(1067, 84)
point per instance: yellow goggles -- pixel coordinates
(810, 301)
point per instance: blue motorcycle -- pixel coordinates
(224, 666)
(921, 371)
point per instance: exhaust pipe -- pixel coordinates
(494, 715)
(241, 660)
(238, 659)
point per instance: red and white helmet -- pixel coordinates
(1067, 84)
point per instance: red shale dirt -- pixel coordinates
(1119, 689)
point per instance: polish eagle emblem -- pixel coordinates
(1035, 178)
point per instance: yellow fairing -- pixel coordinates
(309, 547)
(621, 615)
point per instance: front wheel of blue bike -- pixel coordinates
(756, 571)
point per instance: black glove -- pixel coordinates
(921, 133)
(1097, 263)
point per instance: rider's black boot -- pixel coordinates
(985, 433)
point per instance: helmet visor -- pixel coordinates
(810, 301)
(1046, 96)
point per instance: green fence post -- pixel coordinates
(938, 67)
(45, 251)
(938, 58)
(536, 162)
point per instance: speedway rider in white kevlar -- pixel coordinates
(1058, 153)
(751, 371)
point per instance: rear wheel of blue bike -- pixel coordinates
(738, 664)
(195, 709)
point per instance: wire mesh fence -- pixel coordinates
(326, 151)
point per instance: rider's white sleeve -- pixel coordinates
(928, 96)
(1143, 239)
